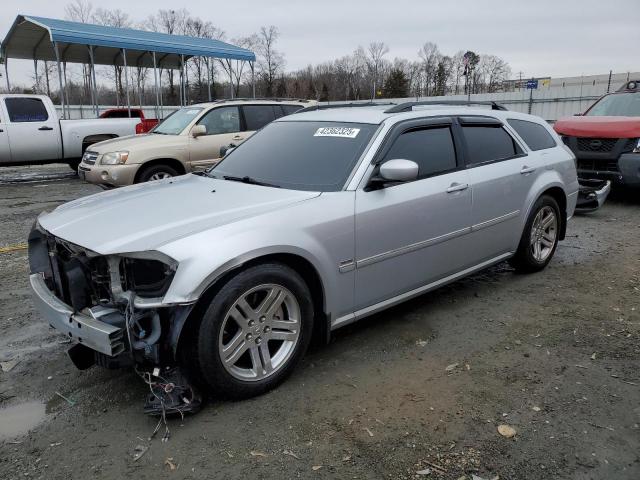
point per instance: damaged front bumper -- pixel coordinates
(87, 328)
(592, 194)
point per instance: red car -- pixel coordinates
(606, 138)
(145, 125)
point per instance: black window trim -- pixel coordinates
(410, 125)
(486, 122)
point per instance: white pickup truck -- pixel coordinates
(31, 132)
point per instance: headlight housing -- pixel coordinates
(148, 274)
(114, 158)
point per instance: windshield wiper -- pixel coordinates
(247, 179)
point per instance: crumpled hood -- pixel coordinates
(146, 216)
(599, 127)
(133, 141)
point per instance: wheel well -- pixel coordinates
(559, 196)
(303, 267)
(91, 139)
(172, 162)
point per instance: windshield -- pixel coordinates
(315, 156)
(175, 123)
(617, 105)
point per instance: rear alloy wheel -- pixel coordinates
(540, 237)
(157, 172)
(253, 333)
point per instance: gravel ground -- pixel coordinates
(418, 388)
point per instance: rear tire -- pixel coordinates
(73, 165)
(540, 237)
(156, 172)
(253, 333)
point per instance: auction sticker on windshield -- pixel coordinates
(344, 132)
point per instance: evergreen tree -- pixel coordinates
(397, 85)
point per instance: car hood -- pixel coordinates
(599, 127)
(149, 215)
(133, 141)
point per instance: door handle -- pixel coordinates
(524, 170)
(457, 187)
(45, 128)
(238, 137)
(1, 130)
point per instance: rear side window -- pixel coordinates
(534, 135)
(26, 110)
(431, 148)
(257, 116)
(488, 144)
(289, 109)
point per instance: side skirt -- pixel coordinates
(365, 312)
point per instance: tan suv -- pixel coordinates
(190, 139)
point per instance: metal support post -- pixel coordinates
(126, 80)
(94, 88)
(57, 52)
(155, 83)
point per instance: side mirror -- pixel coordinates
(227, 149)
(198, 131)
(399, 170)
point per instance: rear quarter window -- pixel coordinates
(486, 144)
(26, 110)
(534, 135)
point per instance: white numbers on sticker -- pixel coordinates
(343, 132)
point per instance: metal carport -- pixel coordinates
(48, 39)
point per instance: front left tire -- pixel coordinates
(254, 332)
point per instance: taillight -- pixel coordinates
(139, 128)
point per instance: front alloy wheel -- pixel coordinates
(260, 332)
(253, 332)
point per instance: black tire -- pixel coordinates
(147, 173)
(204, 357)
(524, 260)
(73, 165)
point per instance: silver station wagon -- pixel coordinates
(319, 219)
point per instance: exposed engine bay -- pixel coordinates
(116, 317)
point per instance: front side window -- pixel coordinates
(431, 148)
(26, 110)
(221, 120)
(534, 135)
(313, 156)
(488, 144)
(617, 105)
(175, 123)
(257, 116)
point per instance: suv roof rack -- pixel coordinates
(250, 99)
(408, 106)
(312, 108)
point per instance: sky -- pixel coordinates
(538, 38)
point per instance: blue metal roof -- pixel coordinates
(28, 39)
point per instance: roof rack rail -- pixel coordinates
(408, 106)
(250, 99)
(318, 106)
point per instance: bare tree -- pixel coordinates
(375, 53)
(81, 11)
(114, 18)
(172, 22)
(270, 61)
